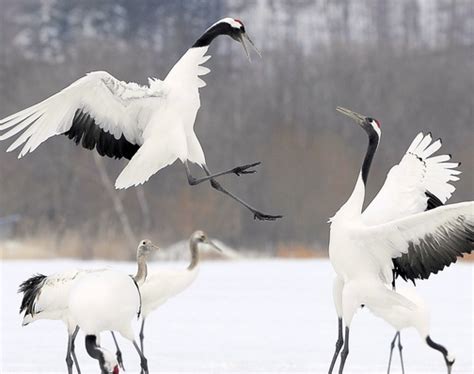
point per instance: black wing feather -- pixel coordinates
(436, 251)
(85, 128)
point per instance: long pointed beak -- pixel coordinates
(245, 38)
(155, 247)
(359, 118)
(213, 245)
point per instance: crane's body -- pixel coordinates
(152, 126)
(399, 234)
(103, 301)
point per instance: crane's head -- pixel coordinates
(369, 124)
(199, 237)
(109, 364)
(146, 247)
(227, 26)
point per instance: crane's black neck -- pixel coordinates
(369, 155)
(193, 246)
(213, 32)
(439, 348)
(95, 352)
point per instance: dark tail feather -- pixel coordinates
(30, 289)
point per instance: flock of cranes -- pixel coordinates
(406, 231)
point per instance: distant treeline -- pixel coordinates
(407, 63)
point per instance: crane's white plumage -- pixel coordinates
(405, 189)
(156, 120)
(405, 231)
(163, 284)
(49, 299)
(106, 300)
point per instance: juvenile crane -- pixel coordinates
(395, 235)
(152, 126)
(163, 284)
(47, 297)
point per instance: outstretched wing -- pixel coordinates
(419, 182)
(97, 111)
(424, 243)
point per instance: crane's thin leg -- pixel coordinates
(143, 360)
(392, 346)
(339, 343)
(118, 353)
(70, 347)
(345, 351)
(237, 171)
(400, 347)
(397, 335)
(73, 349)
(142, 336)
(256, 214)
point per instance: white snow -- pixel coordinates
(248, 316)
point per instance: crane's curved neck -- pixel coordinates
(193, 246)
(210, 34)
(356, 201)
(95, 351)
(142, 269)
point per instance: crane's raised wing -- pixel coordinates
(97, 111)
(423, 243)
(419, 182)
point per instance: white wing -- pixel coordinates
(97, 111)
(163, 284)
(418, 183)
(424, 242)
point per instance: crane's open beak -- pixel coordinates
(359, 118)
(244, 38)
(213, 245)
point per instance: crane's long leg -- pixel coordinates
(237, 171)
(392, 346)
(118, 353)
(73, 350)
(142, 336)
(400, 347)
(397, 335)
(143, 360)
(70, 350)
(257, 214)
(339, 343)
(345, 351)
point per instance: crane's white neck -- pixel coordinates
(353, 206)
(193, 246)
(142, 269)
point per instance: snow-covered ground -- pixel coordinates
(248, 316)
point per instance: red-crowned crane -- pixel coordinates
(395, 236)
(152, 126)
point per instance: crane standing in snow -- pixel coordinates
(47, 297)
(395, 235)
(163, 284)
(152, 125)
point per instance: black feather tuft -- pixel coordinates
(30, 289)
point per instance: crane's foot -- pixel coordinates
(265, 217)
(244, 169)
